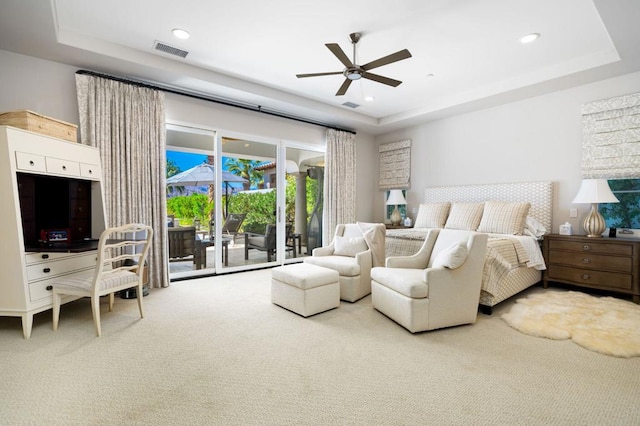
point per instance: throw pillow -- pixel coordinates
(500, 217)
(349, 246)
(464, 216)
(432, 215)
(451, 257)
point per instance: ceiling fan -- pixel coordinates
(356, 72)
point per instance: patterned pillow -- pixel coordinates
(464, 216)
(432, 215)
(500, 217)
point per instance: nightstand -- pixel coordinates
(611, 264)
(390, 226)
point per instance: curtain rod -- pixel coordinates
(253, 108)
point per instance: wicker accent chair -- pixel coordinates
(182, 242)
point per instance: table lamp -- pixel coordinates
(395, 199)
(594, 191)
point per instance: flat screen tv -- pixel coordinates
(624, 215)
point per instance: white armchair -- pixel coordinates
(350, 256)
(437, 287)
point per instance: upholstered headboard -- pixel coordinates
(539, 194)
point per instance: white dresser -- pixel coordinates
(45, 183)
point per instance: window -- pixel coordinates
(626, 213)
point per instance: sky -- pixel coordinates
(185, 160)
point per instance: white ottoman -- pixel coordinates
(305, 289)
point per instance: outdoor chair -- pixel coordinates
(231, 225)
(182, 242)
(265, 242)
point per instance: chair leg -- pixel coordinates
(95, 309)
(56, 310)
(140, 295)
(111, 297)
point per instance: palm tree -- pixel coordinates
(246, 169)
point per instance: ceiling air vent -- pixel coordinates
(163, 47)
(350, 105)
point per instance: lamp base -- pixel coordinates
(594, 224)
(395, 217)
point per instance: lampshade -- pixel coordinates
(396, 198)
(595, 191)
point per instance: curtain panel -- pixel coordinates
(339, 182)
(126, 123)
(611, 138)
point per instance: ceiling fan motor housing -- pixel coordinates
(353, 73)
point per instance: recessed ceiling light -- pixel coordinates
(430, 75)
(529, 38)
(180, 33)
(369, 98)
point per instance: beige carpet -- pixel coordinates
(216, 351)
(607, 325)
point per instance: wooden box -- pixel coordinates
(38, 123)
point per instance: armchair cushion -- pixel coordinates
(346, 246)
(451, 257)
(346, 266)
(408, 282)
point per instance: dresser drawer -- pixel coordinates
(42, 289)
(54, 268)
(592, 261)
(38, 257)
(62, 167)
(588, 277)
(589, 247)
(30, 162)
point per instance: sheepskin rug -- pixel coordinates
(602, 324)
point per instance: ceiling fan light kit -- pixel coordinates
(353, 71)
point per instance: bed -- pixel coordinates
(515, 215)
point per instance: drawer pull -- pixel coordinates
(586, 247)
(586, 276)
(31, 163)
(90, 171)
(46, 270)
(64, 167)
(586, 260)
(49, 287)
(45, 256)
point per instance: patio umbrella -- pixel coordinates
(200, 175)
(204, 174)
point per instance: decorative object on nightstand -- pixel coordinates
(594, 191)
(395, 199)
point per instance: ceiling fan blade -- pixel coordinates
(343, 89)
(380, 79)
(337, 50)
(394, 57)
(318, 74)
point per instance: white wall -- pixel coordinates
(530, 140)
(49, 88)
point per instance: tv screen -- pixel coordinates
(626, 213)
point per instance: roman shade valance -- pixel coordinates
(611, 138)
(395, 165)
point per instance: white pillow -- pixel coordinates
(452, 257)
(534, 228)
(349, 246)
(432, 215)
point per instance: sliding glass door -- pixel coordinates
(249, 201)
